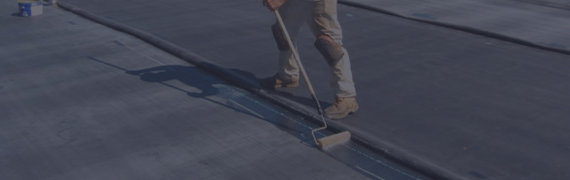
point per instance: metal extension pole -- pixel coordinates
(304, 74)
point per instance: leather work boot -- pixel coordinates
(275, 82)
(341, 108)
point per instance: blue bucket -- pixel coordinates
(30, 8)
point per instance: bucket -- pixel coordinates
(30, 7)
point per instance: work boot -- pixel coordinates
(341, 108)
(275, 82)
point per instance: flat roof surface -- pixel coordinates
(478, 107)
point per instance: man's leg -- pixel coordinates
(328, 31)
(294, 14)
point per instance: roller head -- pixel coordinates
(332, 140)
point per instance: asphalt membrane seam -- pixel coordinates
(308, 127)
(546, 4)
(458, 27)
(370, 173)
(404, 159)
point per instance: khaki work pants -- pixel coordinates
(321, 16)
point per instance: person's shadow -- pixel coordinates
(209, 87)
(188, 75)
(213, 90)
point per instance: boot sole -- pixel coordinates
(287, 86)
(340, 116)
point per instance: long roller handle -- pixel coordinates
(303, 73)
